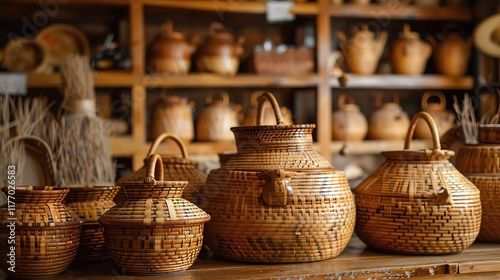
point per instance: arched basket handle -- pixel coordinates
(164, 136)
(378, 99)
(154, 170)
(429, 94)
(436, 145)
(49, 155)
(265, 95)
(342, 100)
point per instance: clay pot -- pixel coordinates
(388, 121)
(250, 118)
(219, 53)
(174, 114)
(363, 50)
(409, 54)
(348, 123)
(215, 121)
(444, 120)
(451, 53)
(170, 52)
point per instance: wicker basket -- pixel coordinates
(489, 186)
(175, 169)
(90, 203)
(277, 200)
(417, 202)
(47, 233)
(298, 61)
(155, 230)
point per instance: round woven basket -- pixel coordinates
(277, 200)
(489, 186)
(155, 230)
(417, 202)
(175, 169)
(47, 233)
(90, 203)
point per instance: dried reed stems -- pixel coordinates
(77, 78)
(466, 119)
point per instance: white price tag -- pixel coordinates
(279, 11)
(13, 83)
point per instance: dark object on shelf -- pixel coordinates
(109, 57)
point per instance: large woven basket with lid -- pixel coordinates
(277, 200)
(417, 202)
(155, 230)
(481, 164)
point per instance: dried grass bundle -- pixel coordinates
(466, 119)
(77, 78)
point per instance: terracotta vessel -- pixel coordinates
(155, 230)
(170, 52)
(409, 54)
(363, 50)
(348, 123)
(444, 120)
(173, 114)
(388, 121)
(219, 53)
(277, 200)
(215, 120)
(250, 118)
(451, 53)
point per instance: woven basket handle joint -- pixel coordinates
(277, 187)
(154, 170)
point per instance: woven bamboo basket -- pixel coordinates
(175, 169)
(90, 203)
(277, 200)
(47, 233)
(480, 163)
(417, 202)
(155, 230)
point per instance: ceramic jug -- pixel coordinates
(277, 200)
(250, 118)
(444, 120)
(173, 114)
(215, 121)
(170, 52)
(348, 123)
(409, 54)
(363, 50)
(451, 53)
(219, 53)
(388, 121)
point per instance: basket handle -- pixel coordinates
(224, 95)
(164, 136)
(50, 156)
(274, 103)
(154, 170)
(436, 145)
(342, 100)
(429, 94)
(378, 99)
(277, 187)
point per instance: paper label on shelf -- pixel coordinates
(13, 83)
(279, 11)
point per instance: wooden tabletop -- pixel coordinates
(480, 261)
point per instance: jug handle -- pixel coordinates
(277, 187)
(429, 94)
(263, 95)
(154, 170)
(378, 99)
(343, 98)
(164, 136)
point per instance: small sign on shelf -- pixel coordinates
(279, 11)
(13, 83)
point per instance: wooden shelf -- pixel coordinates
(376, 146)
(240, 80)
(400, 12)
(102, 79)
(73, 2)
(406, 82)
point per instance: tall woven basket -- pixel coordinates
(277, 200)
(481, 164)
(155, 230)
(175, 169)
(43, 234)
(90, 203)
(417, 202)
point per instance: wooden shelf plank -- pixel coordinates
(406, 82)
(376, 146)
(394, 11)
(102, 79)
(240, 80)
(74, 2)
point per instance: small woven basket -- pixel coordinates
(90, 203)
(47, 233)
(417, 202)
(155, 230)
